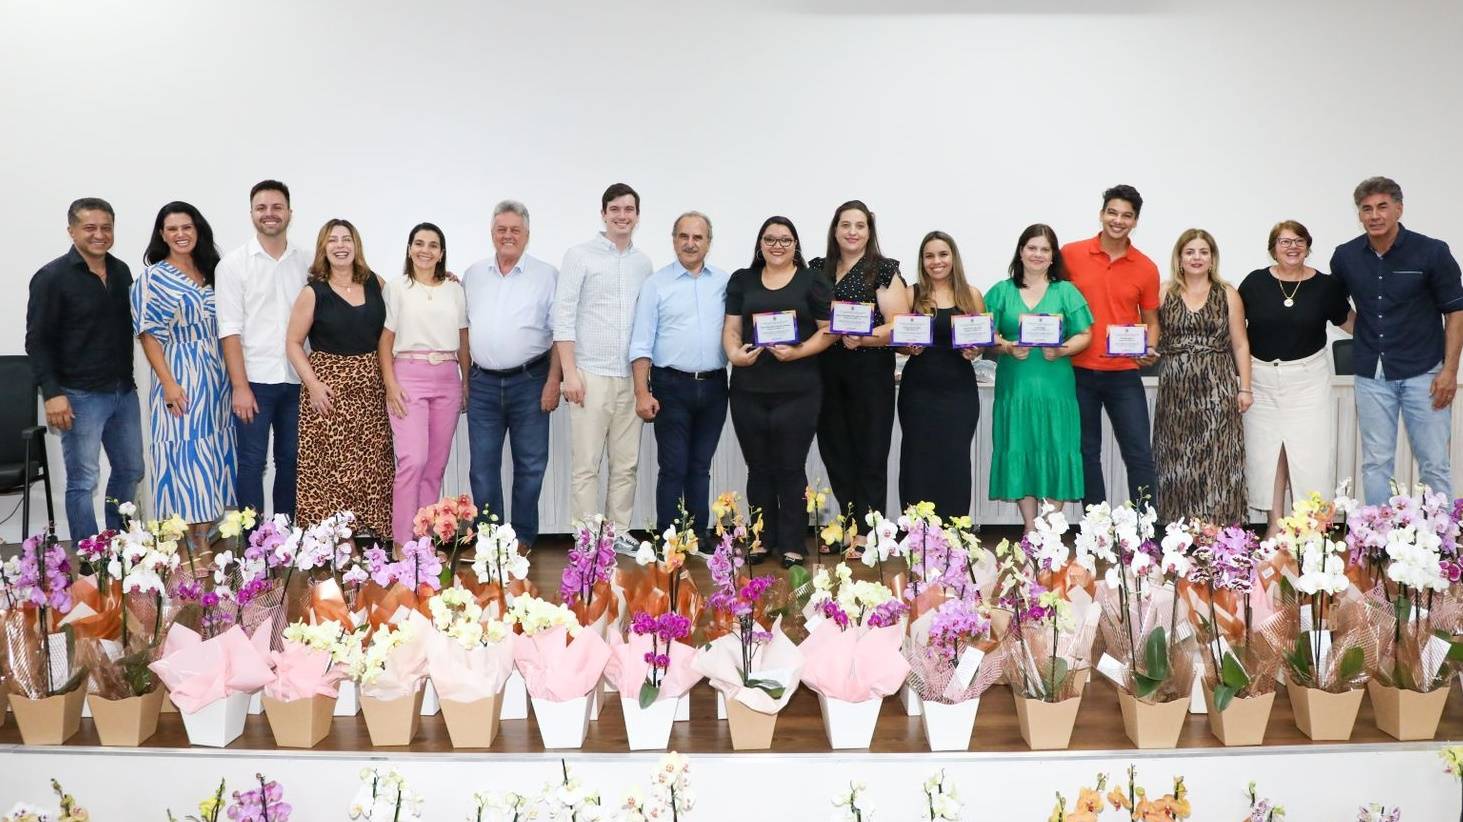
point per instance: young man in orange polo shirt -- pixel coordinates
(1121, 287)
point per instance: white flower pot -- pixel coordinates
(562, 724)
(348, 703)
(849, 724)
(218, 723)
(431, 705)
(720, 705)
(1196, 697)
(948, 727)
(256, 703)
(913, 705)
(683, 708)
(649, 729)
(515, 697)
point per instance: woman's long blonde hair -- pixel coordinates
(320, 267)
(1176, 268)
(924, 287)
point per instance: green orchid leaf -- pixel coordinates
(1233, 673)
(771, 687)
(648, 694)
(1144, 686)
(1455, 647)
(1223, 694)
(801, 584)
(1402, 608)
(1299, 659)
(1155, 653)
(1351, 664)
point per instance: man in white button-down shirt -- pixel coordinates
(594, 311)
(254, 288)
(515, 374)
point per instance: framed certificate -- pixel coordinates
(1040, 330)
(1127, 340)
(853, 319)
(775, 328)
(972, 330)
(913, 329)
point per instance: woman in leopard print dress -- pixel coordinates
(1203, 388)
(346, 459)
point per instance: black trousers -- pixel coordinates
(855, 426)
(775, 430)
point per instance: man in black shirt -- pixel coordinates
(78, 334)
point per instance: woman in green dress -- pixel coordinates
(1036, 433)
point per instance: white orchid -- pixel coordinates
(497, 558)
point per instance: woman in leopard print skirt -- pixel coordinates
(346, 459)
(1203, 388)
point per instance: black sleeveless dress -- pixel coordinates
(939, 408)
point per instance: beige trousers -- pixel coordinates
(606, 421)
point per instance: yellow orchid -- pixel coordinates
(832, 533)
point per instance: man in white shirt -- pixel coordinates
(254, 288)
(514, 383)
(594, 311)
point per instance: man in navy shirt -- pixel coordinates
(1406, 354)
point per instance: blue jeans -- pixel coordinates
(1121, 393)
(1429, 432)
(508, 405)
(279, 411)
(104, 419)
(687, 429)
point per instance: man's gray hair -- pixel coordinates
(1377, 185)
(514, 207)
(698, 215)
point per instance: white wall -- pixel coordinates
(975, 117)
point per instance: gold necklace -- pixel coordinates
(1290, 296)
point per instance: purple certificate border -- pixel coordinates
(1109, 353)
(953, 344)
(832, 330)
(757, 336)
(928, 340)
(1061, 327)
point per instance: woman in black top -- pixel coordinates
(775, 390)
(857, 418)
(346, 461)
(1290, 429)
(939, 404)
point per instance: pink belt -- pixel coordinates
(431, 357)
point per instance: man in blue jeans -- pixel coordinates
(255, 288)
(515, 380)
(679, 368)
(1120, 285)
(1408, 295)
(78, 335)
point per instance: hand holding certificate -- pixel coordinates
(913, 330)
(854, 319)
(775, 328)
(972, 331)
(1040, 330)
(1127, 340)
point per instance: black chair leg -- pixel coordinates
(25, 504)
(46, 481)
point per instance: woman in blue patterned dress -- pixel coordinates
(193, 468)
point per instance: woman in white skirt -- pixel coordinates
(1290, 431)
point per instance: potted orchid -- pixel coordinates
(389, 673)
(852, 657)
(447, 525)
(941, 802)
(500, 574)
(1170, 807)
(67, 809)
(568, 800)
(1413, 542)
(469, 658)
(850, 805)
(562, 663)
(1233, 613)
(652, 671)
(1262, 810)
(1147, 658)
(1326, 664)
(753, 666)
(46, 686)
(300, 700)
(947, 673)
(1046, 684)
(490, 806)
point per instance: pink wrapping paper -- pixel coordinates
(301, 672)
(199, 672)
(721, 662)
(468, 675)
(628, 670)
(854, 664)
(558, 672)
(406, 665)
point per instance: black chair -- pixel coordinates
(22, 442)
(1341, 354)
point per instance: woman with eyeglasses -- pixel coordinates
(776, 325)
(856, 422)
(1290, 429)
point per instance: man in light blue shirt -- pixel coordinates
(679, 369)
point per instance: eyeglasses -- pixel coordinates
(778, 242)
(1291, 242)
